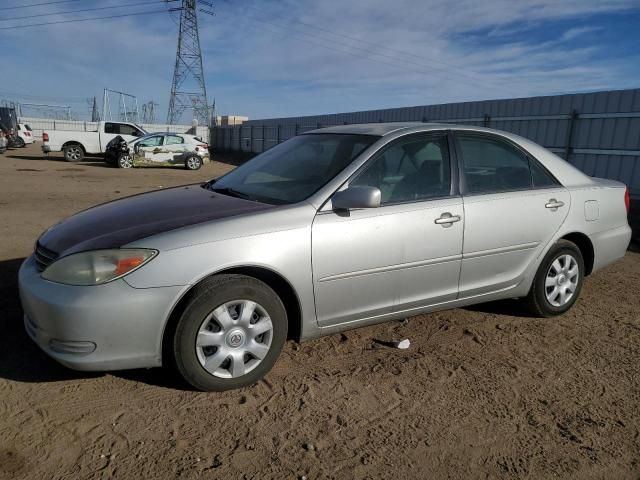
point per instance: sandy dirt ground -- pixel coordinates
(481, 392)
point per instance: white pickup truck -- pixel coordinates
(76, 145)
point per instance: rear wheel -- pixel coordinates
(558, 281)
(125, 161)
(73, 153)
(20, 142)
(230, 333)
(193, 162)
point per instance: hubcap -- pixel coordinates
(126, 162)
(234, 339)
(562, 280)
(193, 163)
(74, 153)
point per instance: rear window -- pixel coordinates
(173, 140)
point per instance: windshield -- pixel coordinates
(294, 170)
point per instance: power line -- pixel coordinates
(367, 54)
(29, 5)
(83, 19)
(463, 70)
(43, 97)
(81, 10)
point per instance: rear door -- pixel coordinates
(113, 129)
(400, 256)
(513, 206)
(129, 132)
(176, 148)
(151, 149)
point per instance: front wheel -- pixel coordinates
(193, 162)
(230, 333)
(558, 281)
(125, 161)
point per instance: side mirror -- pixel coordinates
(356, 197)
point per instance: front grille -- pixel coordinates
(44, 257)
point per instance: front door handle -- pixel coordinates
(446, 219)
(554, 204)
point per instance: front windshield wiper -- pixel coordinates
(232, 193)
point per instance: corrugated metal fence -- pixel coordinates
(39, 125)
(597, 132)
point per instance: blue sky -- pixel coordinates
(294, 57)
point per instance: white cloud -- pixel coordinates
(304, 57)
(576, 32)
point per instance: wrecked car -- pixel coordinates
(158, 149)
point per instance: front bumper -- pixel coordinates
(104, 327)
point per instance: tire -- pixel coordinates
(20, 142)
(73, 153)
(193, 162)
(546, 297)
(125, 161)
(227, 357)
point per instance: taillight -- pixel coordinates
(627, 199)
(45, 137)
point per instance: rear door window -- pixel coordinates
(112, 128)
(541, 177)
(491, 165)
(173, 140)
(128, 130)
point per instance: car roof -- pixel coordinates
(378, 129)
(166, 133)
(388, 128)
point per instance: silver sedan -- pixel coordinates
(335, 229)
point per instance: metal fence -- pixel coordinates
(39, 125)
(597, 132)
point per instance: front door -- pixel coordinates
(176, 149)
(513, 207)
(151, 150)
(401, 256)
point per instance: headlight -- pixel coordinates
(97, 267)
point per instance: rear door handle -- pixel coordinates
(446, 219)
(554, 204)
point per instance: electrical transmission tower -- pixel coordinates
(95, 116)
(188, 91)
(149, 112)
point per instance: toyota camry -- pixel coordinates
(337, 228)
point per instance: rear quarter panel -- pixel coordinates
(598, 211)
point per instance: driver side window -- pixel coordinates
(410, 170)
(152, 141)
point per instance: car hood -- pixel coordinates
(117, 223)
